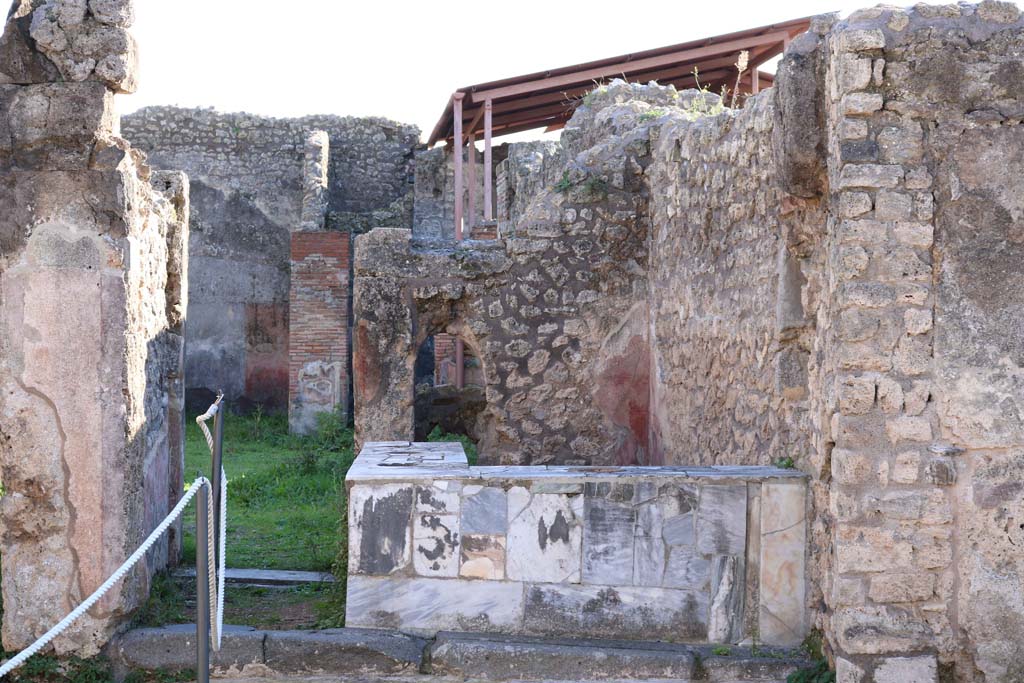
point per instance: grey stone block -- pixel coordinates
(722, 519)
(173, 648)
(545, 536)
(665, 530)
(436, 545)
(426, 605)
(725, 616)
(380, 528)
(684, 569)
(516, 658)
(484, 511)
(343, 651)
(440, 498)
(742, 667)
(607, 541)
(265, 577)
(641, 613)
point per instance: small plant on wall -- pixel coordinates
(818, 671)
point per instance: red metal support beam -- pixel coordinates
(474, 124)
(621, 68)
(460, 363)
(548, 104)
(488, 168)
(457, 151)
(471, 151)
(525, 93)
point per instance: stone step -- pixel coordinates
(474, 657)
(265, 577)
(246, 651)
(353, 654)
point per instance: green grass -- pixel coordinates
(286, 510)
(285, 492)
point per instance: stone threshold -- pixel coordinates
(271, 578)
(354, 654)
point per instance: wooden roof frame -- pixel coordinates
(546, 99)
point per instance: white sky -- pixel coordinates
(401, 59)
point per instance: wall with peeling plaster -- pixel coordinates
(93, 292)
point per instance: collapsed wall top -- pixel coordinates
(48, 41)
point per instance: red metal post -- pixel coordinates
(457, 142)
(460, 364)
(471, 150)
(755, 81)
(488, 170)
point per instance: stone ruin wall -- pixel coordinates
(924, 408)
(534, 308)
(433, 212)
(521, 170)
(93, 291)
(853, 268)
(527, 169)
(248, 187)
(725, 316)
(828, 274)
(567, 306)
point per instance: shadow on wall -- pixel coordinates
(440, 403)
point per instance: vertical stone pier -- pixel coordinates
(92, 304)
(318, 303)
(923, 354)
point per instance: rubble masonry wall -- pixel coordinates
(247, 177)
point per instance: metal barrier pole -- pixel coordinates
(216, 459)
(202, 587)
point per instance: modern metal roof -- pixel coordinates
(546, 99)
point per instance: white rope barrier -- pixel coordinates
(210, 412)
(63, 624)
(211, 568)
(216, 571)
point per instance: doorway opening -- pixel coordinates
(450, 391)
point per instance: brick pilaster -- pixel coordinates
(318, 349)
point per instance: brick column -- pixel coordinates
(318, 328)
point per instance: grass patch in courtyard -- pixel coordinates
(286, 510)
(285, 507)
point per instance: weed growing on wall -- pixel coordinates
(741, 67)
(591, 187)
(818, 671)
(702, 104)
(564, 184)
(652, 114)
